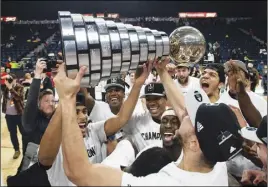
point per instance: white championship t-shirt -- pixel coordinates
(97, 136)
(192, 84)
(171, 175)
(101, 111)
(143, 131)
(139, 109)
(123, 155)
(259, 102)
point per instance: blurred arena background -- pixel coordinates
(232, 29)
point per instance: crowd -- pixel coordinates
(165, 124)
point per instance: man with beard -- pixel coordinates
(144, 129)
(184, 81)
(126, 151)
(99, 110)
(50, 150)
(50, 153)
(201, 147)
(212, 81)
(37, 114)
(114, 98)
(169, 124)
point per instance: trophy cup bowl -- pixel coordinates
(108, 48)
(187, 45)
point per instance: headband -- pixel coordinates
(169, 112)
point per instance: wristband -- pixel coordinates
(42, 166)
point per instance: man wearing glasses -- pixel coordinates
(37, 113)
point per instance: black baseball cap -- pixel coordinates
(216, 127)
(115, 82)
(258, 135)
(218, 132)
(155, 89)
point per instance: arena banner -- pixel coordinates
(197, 14)
(8, 19)
(113, 15)
(89, 15)
(100, 15)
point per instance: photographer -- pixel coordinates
(12, 106)
(46, 82)
(26, 84)
(3, 74)
(37, 113)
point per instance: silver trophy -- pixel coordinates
(108, 48)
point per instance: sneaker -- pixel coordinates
(16, 154)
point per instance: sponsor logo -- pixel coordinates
(199, 126)
(232, 149)
(198, 96)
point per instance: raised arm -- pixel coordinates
(51, 140)
(115, 123)
(76, 166)
(89, 100)
(238, 86)
(249, 111)
(31, 108)
(173, 92)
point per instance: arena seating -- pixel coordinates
(226, 34)
(24, 37)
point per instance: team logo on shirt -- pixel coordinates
(151, 136)
(91, 152)
(198, 96)
(251, 128)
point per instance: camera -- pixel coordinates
(51, 62)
